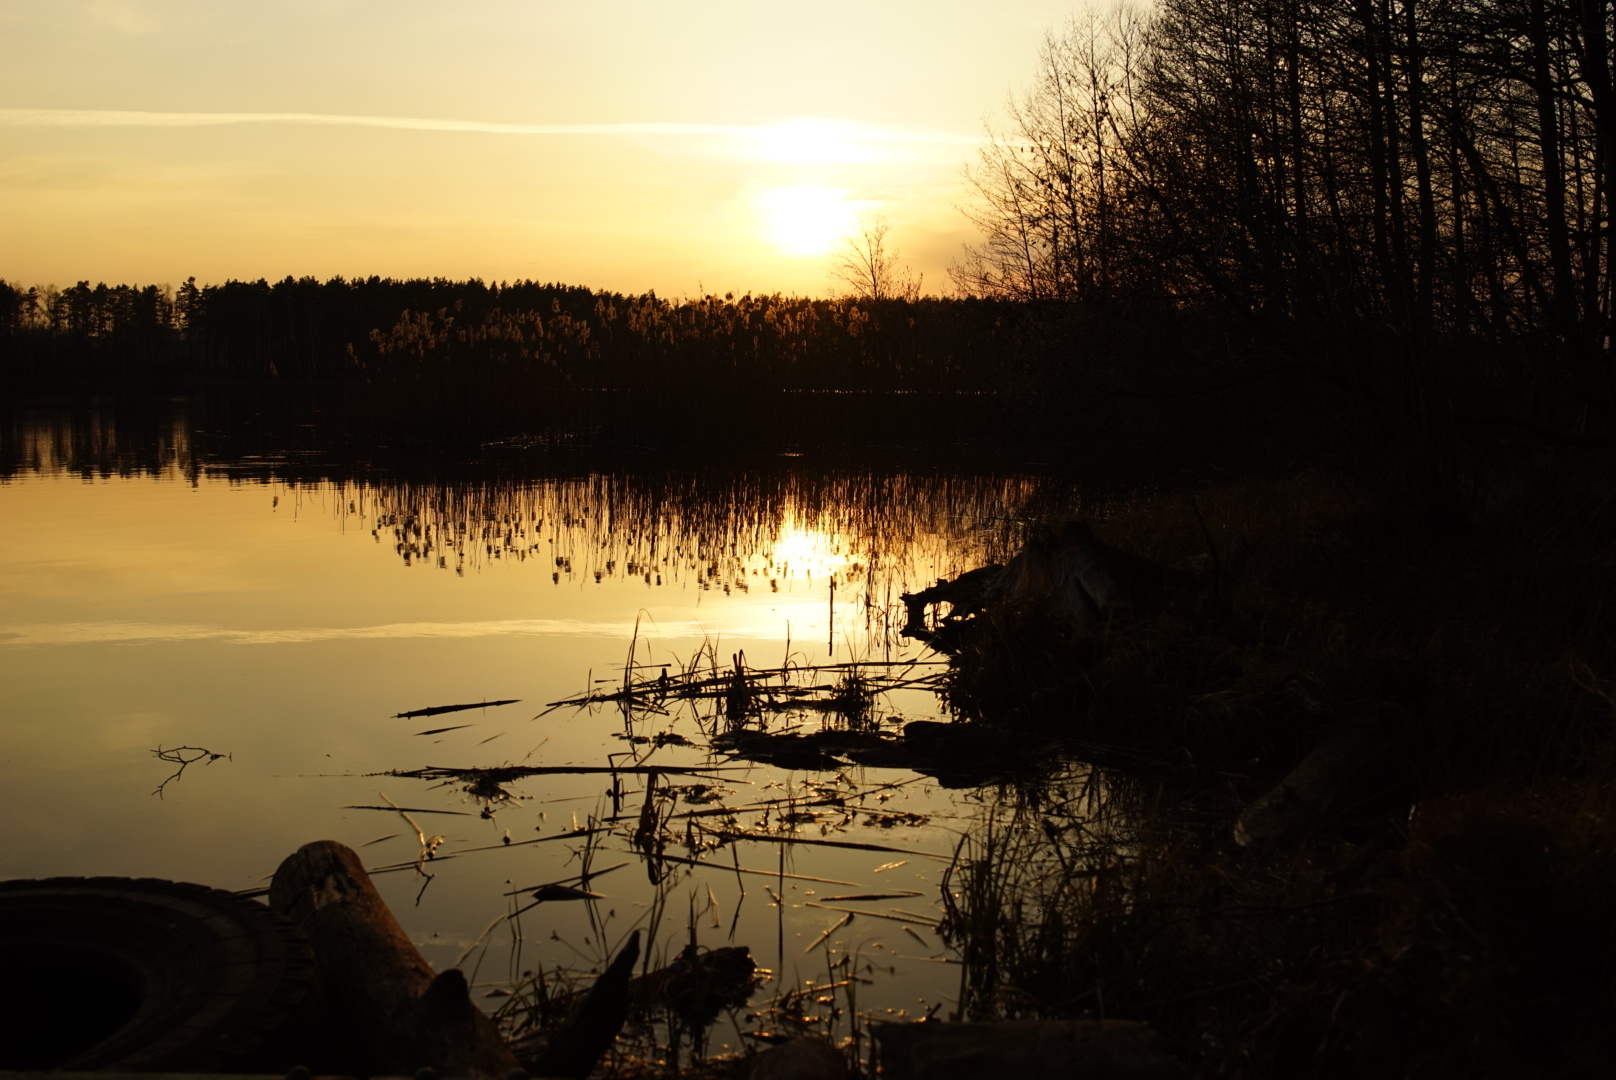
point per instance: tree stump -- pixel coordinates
(389, 1009)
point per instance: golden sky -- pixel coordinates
(620, 144)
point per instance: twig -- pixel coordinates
(429, 844)
(184, 757)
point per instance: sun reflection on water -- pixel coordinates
(802, 551)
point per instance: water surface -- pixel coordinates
(165, 585)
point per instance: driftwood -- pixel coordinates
(1355, 778)
(1068, 573)
(965, 595)
(396, 1016)
(1025, 1049)
(697, 986)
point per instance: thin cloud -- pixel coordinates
(133, 118)
(133, 633)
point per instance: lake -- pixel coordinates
(181, 575)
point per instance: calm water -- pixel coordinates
(164, 586)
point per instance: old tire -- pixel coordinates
(149, 975)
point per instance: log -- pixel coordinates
(806, 1057)
(395, 1015)
(694, 989)
(1024, 1049)
(1357, 769)
(697, 986)
(1068, 572)
(960, 755)
(965, 595)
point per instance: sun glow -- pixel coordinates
(803, 551)
(805, 219)
(814, 142)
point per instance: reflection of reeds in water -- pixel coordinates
(687, 834)
(740, 531)
(1034, 888)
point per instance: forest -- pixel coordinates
(1406, 202)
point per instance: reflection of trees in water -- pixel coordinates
(96, 441)
(716, 524)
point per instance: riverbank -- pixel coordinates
(1446, 915)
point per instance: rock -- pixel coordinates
(1026, 1050)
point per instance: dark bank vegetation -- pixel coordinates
(1438, 911)
(1409, 202)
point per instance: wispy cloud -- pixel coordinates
(134, 633)
(842, 130)
(134, 118)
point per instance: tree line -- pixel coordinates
(539, 335)
(1410, 198)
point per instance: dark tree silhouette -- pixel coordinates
(1411, 198)
(872, 270)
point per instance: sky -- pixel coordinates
(704, 146)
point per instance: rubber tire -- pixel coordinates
(178, 977)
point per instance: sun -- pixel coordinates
(805, 219)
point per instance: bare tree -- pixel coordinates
(1045, 193)
(872, 270)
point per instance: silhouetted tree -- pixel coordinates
(1410, 197)
(872, 270)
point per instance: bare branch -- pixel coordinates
(184, 757)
